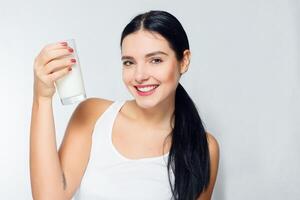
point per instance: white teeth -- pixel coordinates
(146, 89)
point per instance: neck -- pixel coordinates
(159, 116)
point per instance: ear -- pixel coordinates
(184, 65)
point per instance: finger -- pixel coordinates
(58, 64)
(48, 56)
(56, 45)
(59, 74)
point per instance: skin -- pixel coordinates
(146, 120)
(157, 69)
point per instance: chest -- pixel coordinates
(135, 141)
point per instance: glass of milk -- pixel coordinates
(71, 87)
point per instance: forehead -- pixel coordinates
(143, 42)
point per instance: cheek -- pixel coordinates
(126, 76)
(170, 74)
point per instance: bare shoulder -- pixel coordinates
(213, 145)
(90, 109)
(93, 101)
(214, 151)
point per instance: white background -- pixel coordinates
(244, 78)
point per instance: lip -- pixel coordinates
(145, 93)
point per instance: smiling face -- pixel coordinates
(151, 71)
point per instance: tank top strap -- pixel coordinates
(107, 118)
(101, 146)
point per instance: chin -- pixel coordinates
(146, 103)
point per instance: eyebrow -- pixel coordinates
(147, 55)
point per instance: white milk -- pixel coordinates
(71, 87)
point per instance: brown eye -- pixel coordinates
(156, 60)
(127, 63)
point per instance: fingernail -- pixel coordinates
(71, 50)
(70, 68)
(73, 60)
(64, 43)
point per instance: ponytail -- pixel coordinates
(189, 154)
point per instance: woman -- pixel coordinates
(151, 147)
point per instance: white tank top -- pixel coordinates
(111, 176)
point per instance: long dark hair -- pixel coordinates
(189, 153)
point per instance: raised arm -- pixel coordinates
(56, 174)
(47, 178)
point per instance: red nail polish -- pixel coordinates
(64, 43)
(73, 60)
(71, 50)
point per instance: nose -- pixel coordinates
(141, 73)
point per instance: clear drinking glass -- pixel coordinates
(70, 87)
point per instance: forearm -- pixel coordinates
(45, 168)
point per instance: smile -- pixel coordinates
(146, 90)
